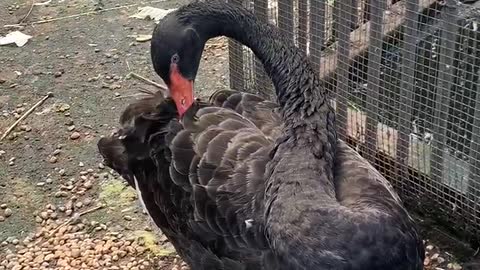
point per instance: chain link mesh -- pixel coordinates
(404, 79)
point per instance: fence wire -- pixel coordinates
(404, 79)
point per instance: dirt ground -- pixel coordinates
(60, 208)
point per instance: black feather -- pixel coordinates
(244, 183)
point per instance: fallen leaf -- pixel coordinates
(16, 37)
(155, 14)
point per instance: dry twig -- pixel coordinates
(40, 102)
(135, 75)
(128, 65)
(75, 217)
(129, 96)
(28, 13)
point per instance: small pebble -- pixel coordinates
(8, 212)
(75, 253)
(3, 205)
(69, 205)
(49, 257)
(2, 218)
(44, 215)
(53, 159)
(61, 194)
(87, 201)
(25, 128)
(88, 184)
(454, 266)
(75, 135)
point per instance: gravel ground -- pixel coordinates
(60, 208)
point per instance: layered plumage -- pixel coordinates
(244, 183)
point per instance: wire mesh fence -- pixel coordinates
(404, 79)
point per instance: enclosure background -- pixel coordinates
(404, 80)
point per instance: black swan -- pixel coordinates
(239, 182)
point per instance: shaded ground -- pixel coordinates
(59, 206)
(49, 166)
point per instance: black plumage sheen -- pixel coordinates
(244, 183)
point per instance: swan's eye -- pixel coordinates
(175, 58)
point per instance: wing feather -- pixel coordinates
(201, 177)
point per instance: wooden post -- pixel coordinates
(474, 174)
(394, 19)
(408, 84)
(474, 155)
(444, 86)
(344, 9)
(373, 77)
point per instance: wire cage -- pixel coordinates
(404, 79)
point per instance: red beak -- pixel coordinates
(181, 90)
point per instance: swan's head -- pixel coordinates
(176, 50)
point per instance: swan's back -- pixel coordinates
(381, 236)
(384, 236)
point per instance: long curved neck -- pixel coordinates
(302, 97)
(299, 178)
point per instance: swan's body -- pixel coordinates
(244, 183)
